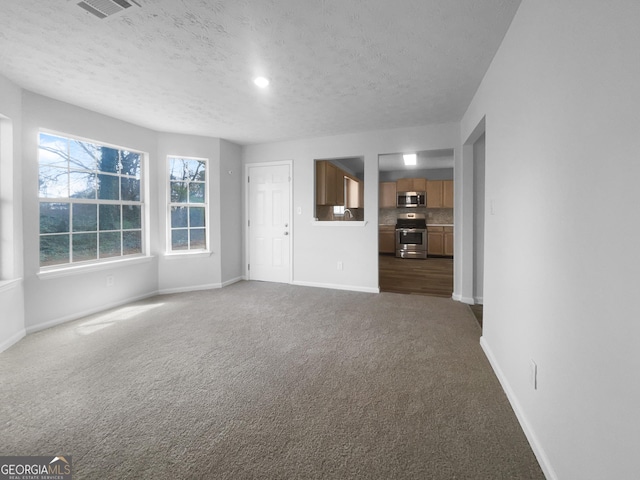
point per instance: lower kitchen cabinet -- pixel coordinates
(387, 239)
(448, 241)
(440, 241)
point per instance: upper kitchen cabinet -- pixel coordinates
(411, 185)
(339, 189)
(447, 193)
(388, 195)
(439, 193)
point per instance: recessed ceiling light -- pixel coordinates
(410, 159)
(262, 82)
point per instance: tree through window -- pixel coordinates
(90, 201)
(188, 204)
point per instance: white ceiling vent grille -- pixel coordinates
(106, 8)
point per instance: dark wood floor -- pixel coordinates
(431, 276)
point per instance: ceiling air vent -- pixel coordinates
(106, 8)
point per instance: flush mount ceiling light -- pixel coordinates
(410, 159)
(262, 82)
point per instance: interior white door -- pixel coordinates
(269, 223)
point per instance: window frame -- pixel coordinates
(169, 251)
(70, 264)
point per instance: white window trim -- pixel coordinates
(203, 252)
(71, 268)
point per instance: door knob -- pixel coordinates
(286, 233)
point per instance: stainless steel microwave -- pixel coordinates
(412, 199)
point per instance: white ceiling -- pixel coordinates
(186, 66)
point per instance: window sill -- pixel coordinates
(183, 255)
(339, 223)
(9, 284)
(93, 267)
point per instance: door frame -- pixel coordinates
(247, 203)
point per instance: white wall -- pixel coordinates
(478, 218)
(50, 300)
(230, 202)
(317, 249)
(562, 263)
(184, 272)
(11, 266)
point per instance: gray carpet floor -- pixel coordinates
(265, 381)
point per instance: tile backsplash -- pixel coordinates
(387, 216)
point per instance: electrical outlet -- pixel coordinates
(339, 265)
(110, 281)
(533, 375)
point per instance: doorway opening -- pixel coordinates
(416, 215)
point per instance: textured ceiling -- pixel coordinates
(186, 66)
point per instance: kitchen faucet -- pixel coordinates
(350, 214)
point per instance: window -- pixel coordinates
(90, 201)
(188, 204)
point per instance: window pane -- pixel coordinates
(196, 192)
(196, 216)
(109, 217)
(132, 242)
(179, 240)
(110, 244)
(198, 239)
(54, 217)
(83, 155)
(82, 184)
(85, 217)
(178, 192)
(53, 182)
(108, 187)
(53, 151)
(108, 160)
(131, 217)
(196, 169)
(130, 163)
(186, 169)
(54, 249)
(130, 189)
(85, 247)
(95, 179)
(179, 217)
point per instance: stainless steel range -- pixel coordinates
(411, 235)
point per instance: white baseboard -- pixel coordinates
(13, 339)
(459, 298)
(192, 288)
(538, 451)
(91, 311)
(231, 282)
(352, 288)
(479, 300)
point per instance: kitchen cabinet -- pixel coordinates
(387, 239)
(448, 241)
(329, 184)
(435, 240)
(354, 192)
(447, 193)
(411, 185)
(388, 195)
(440, 240)
(439, 193)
